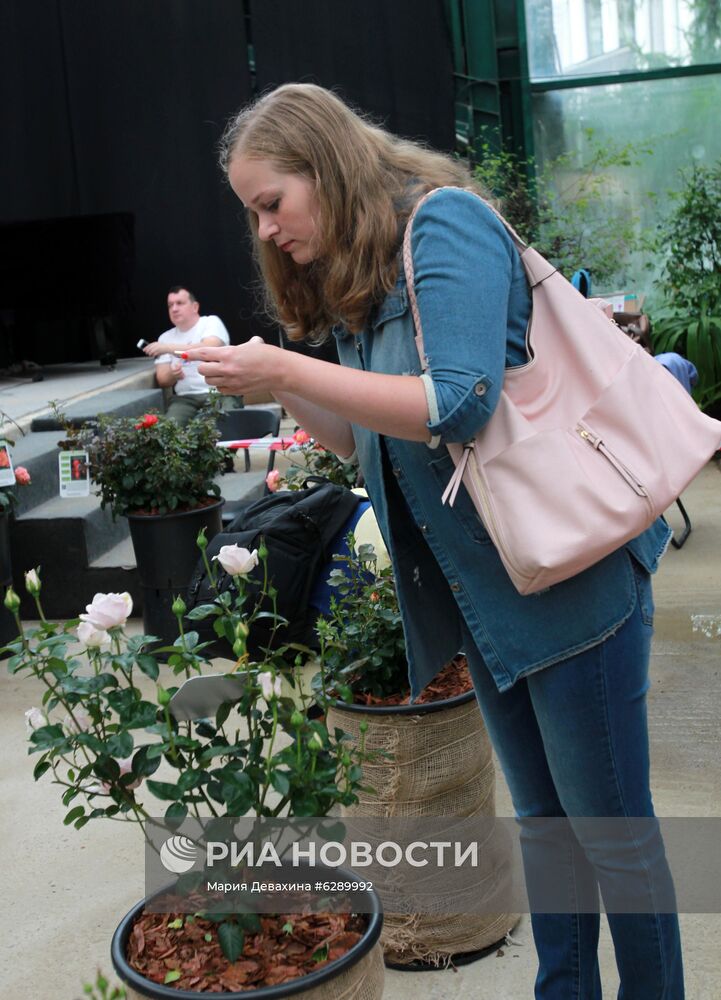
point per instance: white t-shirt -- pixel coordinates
(192, 382)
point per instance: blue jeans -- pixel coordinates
(572, 740)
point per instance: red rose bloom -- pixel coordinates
(148, 420)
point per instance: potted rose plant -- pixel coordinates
(161, 476)
(430, 758)
(306, 457)
(107, 723)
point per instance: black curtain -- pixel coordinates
(117, 108)
(111, 111)
(391, 58)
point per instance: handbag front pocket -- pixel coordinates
(595, 441)
(560, 498)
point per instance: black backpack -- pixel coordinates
(299, 528)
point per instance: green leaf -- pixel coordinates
(164, 790)
(107, 768)
(40, 768)
(280, 782)
(142, 715)
(88, 740)
(249, 922)
(238, 793)
(190, 779)
(74, 814)
(222, 714)
(231, 939)
(88, 685)
(173, 976)
(120, 745)
(143, 765)
(176, 813)
(203, 611)
(49, 738)
(149, 665)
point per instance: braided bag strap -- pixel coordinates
(408, 260)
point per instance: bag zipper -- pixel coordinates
(629, 478)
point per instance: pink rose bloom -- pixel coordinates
(103, 787)
(126, 766)
(108, 610)
(22, 476)
(35, 718)
(93, 637)
(78, 722)
(301, 437)
(272, 480)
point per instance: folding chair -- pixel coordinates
(240, 425)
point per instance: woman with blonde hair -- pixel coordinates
(560, 676)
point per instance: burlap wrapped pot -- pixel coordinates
(440, 763)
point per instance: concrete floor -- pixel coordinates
(65, 890)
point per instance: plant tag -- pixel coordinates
(73, 473)
(7, 473)
(201, 697)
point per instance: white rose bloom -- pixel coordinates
(92, 637)
(269, 685)
(35, 718)
(108, 610)
(78, 722)
(236, 560)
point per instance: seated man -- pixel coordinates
(190, 390)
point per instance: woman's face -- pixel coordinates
(285, 204)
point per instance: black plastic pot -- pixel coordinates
(166, 555)
(295, 988)
(427, 708)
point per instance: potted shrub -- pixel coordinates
(429, 758)
(8, 499)
(306, 457)
(161, 476)
(689, 242)
(102, 737)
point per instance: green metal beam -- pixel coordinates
(491, 74)
(637, 76)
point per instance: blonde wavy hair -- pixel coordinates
(366, 182)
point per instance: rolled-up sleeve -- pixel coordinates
(463, 263)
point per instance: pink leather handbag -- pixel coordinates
(590, 442)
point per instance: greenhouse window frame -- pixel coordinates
(635, 76)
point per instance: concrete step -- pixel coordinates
(127, 402)
(82, 551)
(81, 521)
(121, 556)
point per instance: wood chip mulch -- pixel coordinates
(273, 955)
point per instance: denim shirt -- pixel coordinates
(474, 304)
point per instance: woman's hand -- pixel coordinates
(389, 404)
(236, 371)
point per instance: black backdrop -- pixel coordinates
(117, 107)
